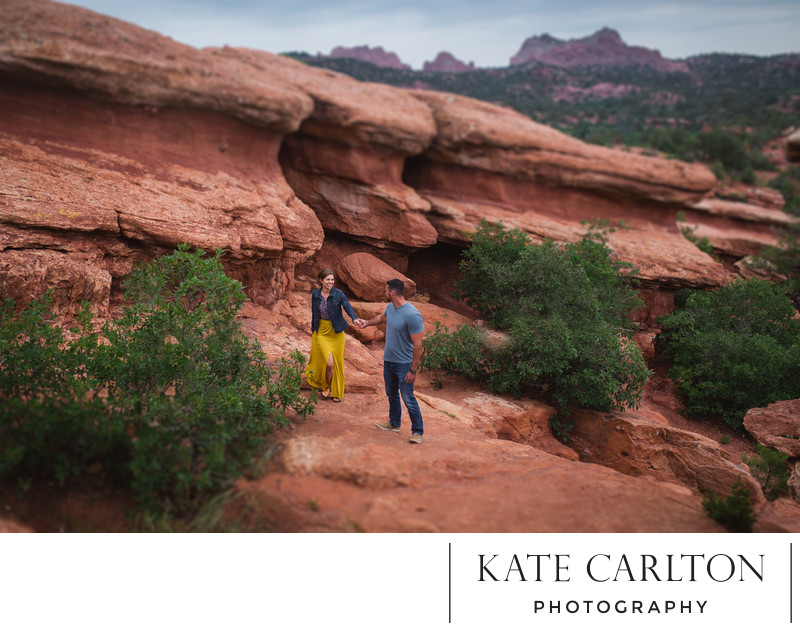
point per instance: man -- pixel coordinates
(401, 355)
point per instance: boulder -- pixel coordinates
(366, 277)
(643, 443)
(776, 426)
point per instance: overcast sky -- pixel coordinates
(488, 33)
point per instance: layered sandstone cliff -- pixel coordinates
(119, 143)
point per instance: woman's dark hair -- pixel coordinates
(397, 286)
(325, 271)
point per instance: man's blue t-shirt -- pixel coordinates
(400, 325)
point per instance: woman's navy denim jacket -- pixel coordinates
(336, 300)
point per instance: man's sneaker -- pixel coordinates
(415, 438)
(387, 426)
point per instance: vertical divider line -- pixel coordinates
(791, 593)
(450, 583)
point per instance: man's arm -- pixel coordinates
(378, 319)
(416, 339)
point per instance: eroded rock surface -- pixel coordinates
(120, 143)
(776, 426)
(643, 443)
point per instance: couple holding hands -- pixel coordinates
(401, 355)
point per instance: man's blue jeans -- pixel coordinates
(394, 378)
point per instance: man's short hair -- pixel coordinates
(396, 285)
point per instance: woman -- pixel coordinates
(325, 370)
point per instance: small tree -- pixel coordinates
(566, 312)
(51, 421)
(176, 399)
(734, 511)
(771, 470)
(784, 258)
(733, 349)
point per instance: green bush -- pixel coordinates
(176, 400)
(733, 349)
(788, 183)
(734, 511)
(458, 352)
(51, 422)
(771, 470)
(784, 258)
(702, 243)
(725, 147)
(565, 311)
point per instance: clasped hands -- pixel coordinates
(360, 324)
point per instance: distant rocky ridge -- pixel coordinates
(445, 62)
(605, 48)
(376, 56)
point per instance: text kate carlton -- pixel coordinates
(601, 568)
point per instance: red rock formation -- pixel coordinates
(603, 48)
(445, 62)
(643, 443)
(376, 56)
(346, 161)
(776, 426)
(116, 144)
(27, 274)
(463, 480)
(490, 162)
(174, 144)
(736, 229)
(489, 463)
(366, 276)
(173, 152)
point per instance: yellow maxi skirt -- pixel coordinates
(324, 343)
